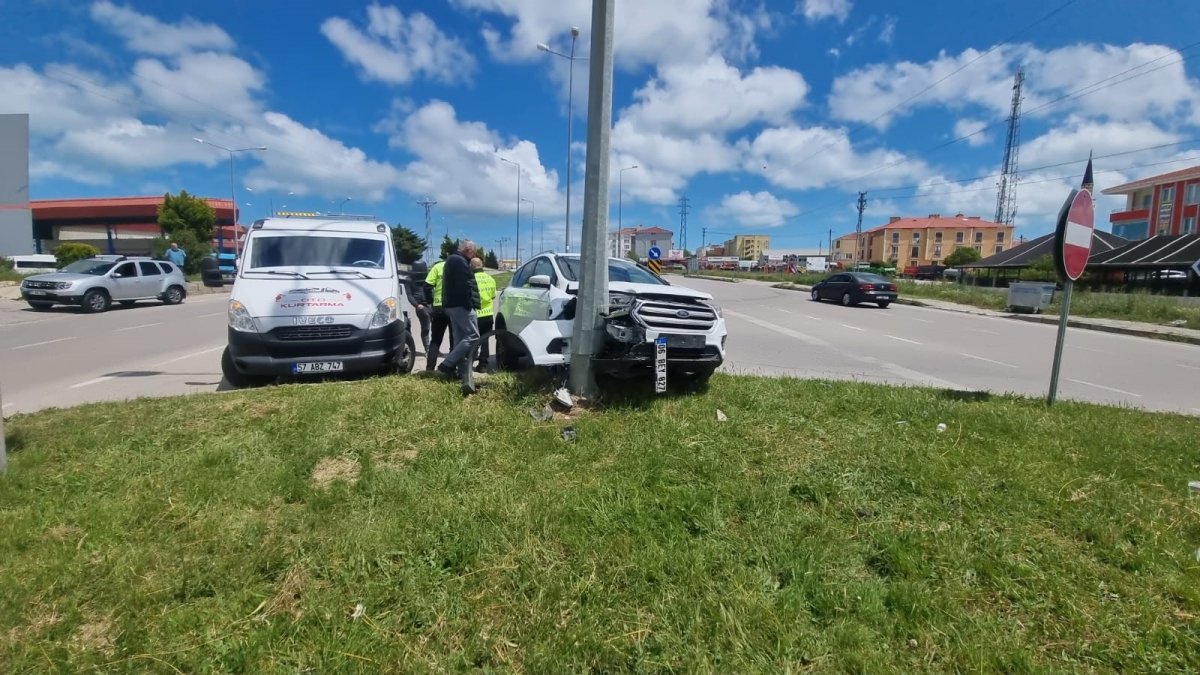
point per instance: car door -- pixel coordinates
(515, 300)
(827, 288)
(125, 281)
(150, 280)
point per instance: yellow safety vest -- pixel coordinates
(434, 278)
(487, 295)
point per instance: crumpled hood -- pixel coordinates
(654, 289)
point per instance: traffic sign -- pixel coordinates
(654, 253)
(1073, 238)
(1196, 268)
(655, 266)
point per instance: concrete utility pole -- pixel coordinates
(862, 204)
(428, 204)
(593, 282)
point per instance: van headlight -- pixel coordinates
(240, 319)
(387, 312)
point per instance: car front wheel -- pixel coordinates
(96, 301)
(816, 295)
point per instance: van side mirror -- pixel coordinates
(539, 281)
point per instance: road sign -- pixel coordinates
(1073, 239)
(1196, 268)
(655, 265)
(654, 253)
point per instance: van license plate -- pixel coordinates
(317, 367)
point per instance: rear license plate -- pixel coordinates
(317, 367)
(685, 341)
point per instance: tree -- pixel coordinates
(448, 246)
(1042, 269)
(631, 255)
(963, 255)
(72, 251)
(183, 212)
(409, 247)
(490, 261)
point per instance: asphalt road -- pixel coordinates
(64, 358)
(782, 332)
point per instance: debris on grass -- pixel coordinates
(358, 612)
(563, 398)
(95, 635)
(941, 427)
(287, 598)
(542, 415)
(332, 469)
(568, 434)
(721, 417)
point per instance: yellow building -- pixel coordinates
(908, 242)
(748, 246)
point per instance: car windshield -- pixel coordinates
(873, 279)
(618, 270)
(94, 267)
(298, 250)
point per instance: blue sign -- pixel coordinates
(654, 253)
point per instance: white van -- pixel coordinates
(36, 263)
(317, 296)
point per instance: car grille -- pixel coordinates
(41, 284)
(669, 315)
(326, 332)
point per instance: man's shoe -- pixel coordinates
(481, 369)
(446, 371)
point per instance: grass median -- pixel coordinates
(393, 525)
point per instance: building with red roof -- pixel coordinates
(924, 240)
(115, 225)
(1166, 204)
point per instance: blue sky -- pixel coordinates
(768, 116)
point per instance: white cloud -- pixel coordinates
(62, 98)
(971, 129)
(888, 32)
(1073, 140)
(817, 10)
(148, 35)
(186, 90)
(800, 158)
(759, 209)
(396, 49)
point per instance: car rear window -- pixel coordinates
(166, 268)
(873, 279)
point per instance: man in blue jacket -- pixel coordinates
(460, 300)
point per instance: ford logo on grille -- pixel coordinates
(683, 313)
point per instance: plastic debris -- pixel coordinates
(721, 417)
(941, 427)
(542, 415)
(564, 398)
(568, 434)
(359, 611)
(1194, 487)
(1178, 323)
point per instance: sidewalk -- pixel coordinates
(1134, 328)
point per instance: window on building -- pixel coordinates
(937, 237)
(1191, 194)
(916, 236)
(999, 248)
(915, 252)
(937, 251)
(1000, 237)
(1189, 225)
(978, 237)
(979, 248)
(959, 237)
(895, 252)
(1167, 195)
(1144, 202)
(895, 237)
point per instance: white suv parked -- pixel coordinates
(538, 307)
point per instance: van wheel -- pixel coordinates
(96, 301)
(407, 358)
(235, 378)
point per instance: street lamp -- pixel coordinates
(532, 213)
(232, 193)
(342, 206)
(571, 58)
(621, 198)
(517, 257)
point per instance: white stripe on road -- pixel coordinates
(851, 327)
(204, 316)
(188, 356)
(89, 383)
(921, 320)
(45, 342)
(1089, 349)
(980, 358)
(814, 318)
(1188, 365)
(785, 311)
(1112, 389)
(816, 342)
(143, 325)
(911, 342)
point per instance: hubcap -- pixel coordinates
(173, 294)
(97, 301)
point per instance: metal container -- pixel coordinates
(1030, 296)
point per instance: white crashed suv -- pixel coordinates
(538, 309)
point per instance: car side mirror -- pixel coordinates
(540, 281)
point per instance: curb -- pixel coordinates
(728, 280)
(1043, 319)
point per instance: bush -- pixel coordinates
(73, 251)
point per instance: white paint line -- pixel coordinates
(1089, 349)
(1112, 389)
(911, 342)
(29, 323)
(785, 311)
(205, 316)
(188, 356)
(909, 374)
(143, 325)
(984, 330)
(89, 383)
(986, 360)
(814, 318)
(44, 342)
(921, 320)
(1188, 365)
(816, 342)
(851, 327)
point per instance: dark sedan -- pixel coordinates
(851, 288)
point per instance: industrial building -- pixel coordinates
(115, 225)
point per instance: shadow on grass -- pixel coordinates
(965, 396)
(14, 441)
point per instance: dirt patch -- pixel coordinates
(332, 469)
(95, 635)
(40, 620)
(291, 591)
(397, 460)
(64, 532)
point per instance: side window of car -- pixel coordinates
(521, 278)
(543, 266)
(149, 269)
(125, 270)
(165, 267)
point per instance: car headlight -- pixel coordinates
(716, 308)
(618, 300)
(64, 285)
(387, 312)
(240, 319)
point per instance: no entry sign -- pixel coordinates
(1073, 239)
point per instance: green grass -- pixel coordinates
(823, 527)
(502, 279)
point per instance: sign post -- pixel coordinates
(1072, 248)
(654, 260)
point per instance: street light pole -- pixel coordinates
(232, 195)
(570, 117)
(517, 256)
(621, 198)
(532, 216)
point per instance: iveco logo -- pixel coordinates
(311, 320)
(683, 313)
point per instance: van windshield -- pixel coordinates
(308, 251)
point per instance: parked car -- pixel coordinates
(95, 283)
(851, 288)
(537, 311)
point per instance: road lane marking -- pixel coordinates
(143, 325)
(785, 311)
(814, 318)
(984, 330)
(188, 356)
(920, 320)
(89, 383)
(1188, 365)
(203, 316)
(1089, 349)
(911, 342)
(816, 342)
(851, 327)
(44, 342)
(980, 358)
(1100, 386)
